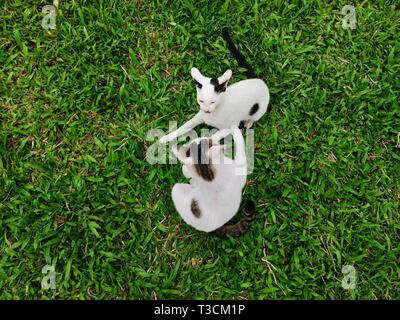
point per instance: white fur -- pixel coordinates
(225, 109)
(219, 199)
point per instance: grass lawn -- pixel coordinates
(76, 191)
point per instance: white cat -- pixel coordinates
(214, 193)
(222, 106)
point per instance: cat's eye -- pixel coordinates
(212, 102)
(201, 101)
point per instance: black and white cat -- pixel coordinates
(222, 106)
(214, 193)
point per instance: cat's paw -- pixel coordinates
(164, 139)
(175, 150)
(215, 139)
(248, 124)
(186, 172)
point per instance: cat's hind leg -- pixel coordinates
(180, 192)
(187, 206)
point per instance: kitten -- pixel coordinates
(214, 193)
(222, 106)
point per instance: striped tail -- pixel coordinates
(240, 227)
(238, 56)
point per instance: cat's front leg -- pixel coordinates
(240, 154)
(196, 120)
(221, 134)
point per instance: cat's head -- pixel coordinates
(198, 158)
(209, 90)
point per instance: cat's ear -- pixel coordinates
(225, 77)
(196, 75)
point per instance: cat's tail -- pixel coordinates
(238, 56)
(241, 226)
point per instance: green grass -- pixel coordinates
(77, 192)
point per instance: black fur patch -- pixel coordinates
(254, 109)
(217, 86)
(198, 151)
(214, 81)
(198, 84)
(205, 171)
(201, 163)
(194, 207)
